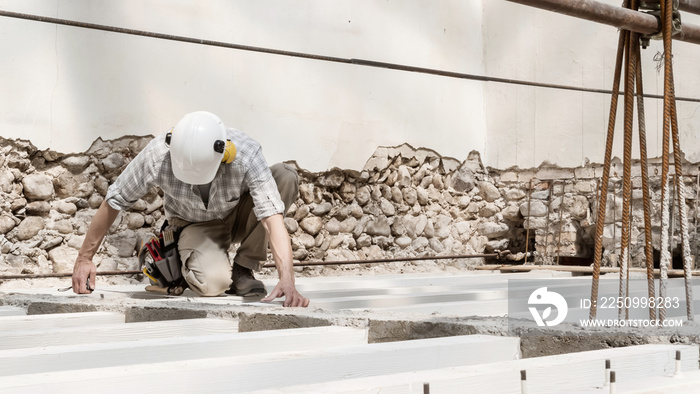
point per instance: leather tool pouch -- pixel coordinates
(164, 267)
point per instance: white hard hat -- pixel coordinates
(196, 147)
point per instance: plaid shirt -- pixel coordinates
(249, 172)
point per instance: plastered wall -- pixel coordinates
(62, 87)
(527, 126)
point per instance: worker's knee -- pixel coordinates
(208, 276)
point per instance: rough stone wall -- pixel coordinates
(406, 202)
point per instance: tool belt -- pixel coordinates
(161, 263)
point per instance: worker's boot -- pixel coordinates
(244, 283)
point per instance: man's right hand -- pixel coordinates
(82, 270)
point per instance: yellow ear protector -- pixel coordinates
(227, 148)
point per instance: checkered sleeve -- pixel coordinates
(263, 188)
(137, 178)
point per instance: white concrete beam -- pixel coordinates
(574, 372)
(687, 382)
(55, 320)
(272, 370)
(12, 311)
(119, 332)
(142, 349)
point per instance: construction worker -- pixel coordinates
(218, 189)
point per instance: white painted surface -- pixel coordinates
(56, 320)
(274, 370)
(474, 293)
(71, 85)
(66, 86)
(120, 332)
(530, 125)
(145, 350)
(573, 373)
(12, 311)
(687, 383)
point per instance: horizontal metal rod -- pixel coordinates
(65, 275)
(569, 268)
(396, 260)
(490, 267)
(616, 16)
(497, 255)
(357, 62)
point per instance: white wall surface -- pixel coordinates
(527, 125)
(62, 87)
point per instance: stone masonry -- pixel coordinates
(405, 202)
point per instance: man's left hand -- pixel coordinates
(292, 298)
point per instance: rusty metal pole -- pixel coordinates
(643, 162)
(666, 150)
(603, 199)
(616, 16)
(630, 73)
(596, 11)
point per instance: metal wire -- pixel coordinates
(496, 255)
(333, 59)
(561, 224)
(499, 255)
(546, 232)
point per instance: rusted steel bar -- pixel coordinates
(616, 16)
(630, 73)
(682, 209)
(603, 200)
(646, 196)
(665, 195)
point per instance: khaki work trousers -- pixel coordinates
(204, 246)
